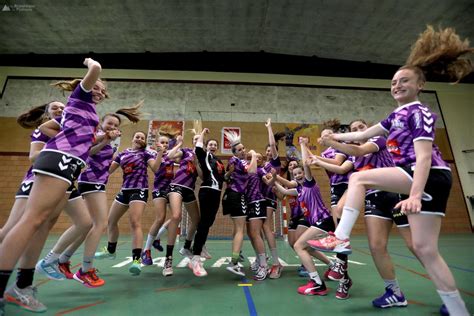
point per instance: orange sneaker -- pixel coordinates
(65, 268)
(89, 279)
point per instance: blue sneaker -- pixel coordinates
(302, 272)
(443, 311)
(51, 270)
(390, 299)
(157, 245)
(147, 260)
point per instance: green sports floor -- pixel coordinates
(222, 293)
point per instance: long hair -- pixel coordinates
(35, 116)
(332, 124)
(197, 127)
(441, 52)
(132, 113)
(65, 85)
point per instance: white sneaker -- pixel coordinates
(186, 252)
(235, 269)
(254, 266)
(25, 298)
(168, 267)
(196, 265)
(205, 253)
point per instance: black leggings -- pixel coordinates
(209, 201)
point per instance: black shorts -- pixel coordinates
(24, 190)
(257, 210)
(161, 194)
(436, 193)
(86, 187)
(326, 225)
(271, 204)
(380, 204)
(337, 191)
(234, 203)
(126, 196)
(297, 221)
(58, 165)
(73, 193)
(186, 193)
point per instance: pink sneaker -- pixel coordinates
(196, 265)
(331, 244)
(342, 291)
(313, 288)
(65, 269)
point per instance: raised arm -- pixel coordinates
(175, 152)
(342, 169)
(154, 164)
(271, 139)
(304, 156)
(282, 190)
(104, 139)
(92, 75)
(287, 183)
(349, 149)
(253, 162)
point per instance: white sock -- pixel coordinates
(454, 303)
(393, 284)
(315, 277)
(348, 219)
(161, 231)
(51, 257)
(274, 252)
(149, 242)
(65, 256)
(262, 260)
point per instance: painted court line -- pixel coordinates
(67, 311)
(248, 297)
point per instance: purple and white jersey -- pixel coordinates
(36, 138)
(78, 125)
(253, 192)
(240, 176)
(134, 164)
(98, 165)
(311, 202)
(164, 175)
(293, 203)
(186, 174)
(335, 178)
(267, 190)
(378, 159)
(407, 124)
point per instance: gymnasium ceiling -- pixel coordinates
(379, 31)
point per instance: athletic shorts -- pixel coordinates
(234, 203)
(161, 194)
(380, 204)
(271, 204)
(436, 193)
(24, 190)
(85, 187)
(326, 225)
(257, 210)
(58, 165)
(74, 193)
(297, 221)
(186, 193)
(337, 191)
(127, 196)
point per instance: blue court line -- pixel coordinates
(414, 258)
(248, 297)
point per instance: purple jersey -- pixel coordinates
(311, 202)
(186, 174)
(164, 175)
(98, 165)
(407, 124)
(335, 178)
(78, 124)
(134, 164)
(36, 138)
(240, 176)
(293, 203)
(253, 192)
(378, 159)
(268, 190)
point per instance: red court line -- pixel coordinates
(172, 288)
(39, 283)
(67, 311)
(423, 275)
